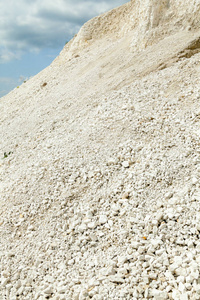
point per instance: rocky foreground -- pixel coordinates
(100, 163)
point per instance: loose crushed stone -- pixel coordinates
(100, 169)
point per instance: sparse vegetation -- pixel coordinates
(7, 154)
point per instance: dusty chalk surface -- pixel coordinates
(100, 163)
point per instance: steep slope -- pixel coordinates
(99, 170)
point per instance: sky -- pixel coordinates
(33, 32)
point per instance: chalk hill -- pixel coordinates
(100, 162)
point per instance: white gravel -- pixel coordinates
(100, 190)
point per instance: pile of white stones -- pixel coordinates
(108, 206)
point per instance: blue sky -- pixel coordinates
(33, 32)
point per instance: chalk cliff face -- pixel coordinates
(100, 163)
(133, 40)
(147, 21)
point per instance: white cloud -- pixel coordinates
(28, 25)
(6, 55)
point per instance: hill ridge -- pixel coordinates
(100, 163)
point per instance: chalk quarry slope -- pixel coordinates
(100, 163)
